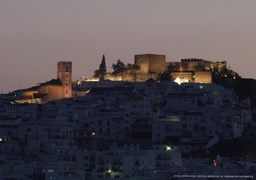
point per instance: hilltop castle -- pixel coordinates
(187, 70)
(154, 64)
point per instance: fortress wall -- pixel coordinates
(203, 77)
(191, 66)
(185, 66)
(157, 63)
(144, 77)
(154, 63)
(131, 77)
(215, 65)
(185, 76)
(142, 60)
(151, 63)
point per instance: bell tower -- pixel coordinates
(64, 73)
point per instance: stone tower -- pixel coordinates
(64, 73)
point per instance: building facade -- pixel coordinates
(64, 73)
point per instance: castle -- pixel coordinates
(187, 70)
(154, 64)
(51, 90)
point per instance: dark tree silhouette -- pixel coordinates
(131, 68)
(173, 67)
(164, 77)
(119, 67)
(102, 68)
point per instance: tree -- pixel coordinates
(174, 67)
(119, 67)
(131, 68)
(102, 68)
(164, 77)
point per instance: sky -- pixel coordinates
(35, 35)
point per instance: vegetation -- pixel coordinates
(120, 67)
(174, 67)
(239, 147)
(131, 68)
(164, 77)
(244, 88)
(225, 75)
(102, 69)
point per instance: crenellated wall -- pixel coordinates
(155, 64)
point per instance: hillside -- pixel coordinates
(241, 147)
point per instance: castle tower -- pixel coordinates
(150, 63)
(64, 73)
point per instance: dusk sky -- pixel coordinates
(35, 35)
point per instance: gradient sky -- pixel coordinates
(35, 35)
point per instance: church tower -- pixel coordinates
(64, 73)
